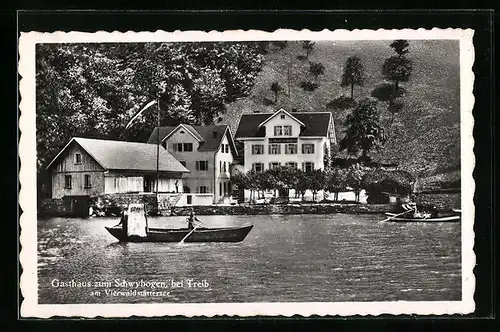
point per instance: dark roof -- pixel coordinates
(316, 124)
(209, 141)
(119, 155)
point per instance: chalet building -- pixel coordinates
(297, 139)
(89, 167)
(207, 152)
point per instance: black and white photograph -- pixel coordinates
(247, 173)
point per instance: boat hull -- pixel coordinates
(176, 235)
(452, 218)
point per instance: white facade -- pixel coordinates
(284, 146)
(209, 169)
(223, 161)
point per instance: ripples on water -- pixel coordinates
(285, 258)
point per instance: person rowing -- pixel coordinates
(191, 220)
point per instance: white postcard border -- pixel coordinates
(28, 201)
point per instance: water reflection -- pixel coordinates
(284, 258)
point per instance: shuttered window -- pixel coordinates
(274, 165)
(308, 166)
(202, 165)
(308, 148)
(274, 148)
(257, 167)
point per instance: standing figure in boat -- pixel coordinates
(191, 219)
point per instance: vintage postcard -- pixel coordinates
(246, 173)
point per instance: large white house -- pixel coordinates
(296, 139)
(207, 152)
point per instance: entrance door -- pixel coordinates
(189, 199)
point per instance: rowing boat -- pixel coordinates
(447, 218)
(228, 234)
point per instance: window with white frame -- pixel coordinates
(308, 166)
(291, 164)
(274, 148)
(227, 148)
(308, 148)
(257, 148)
(202, 165)
(202, 189)
(257, 167)
(274, 164)
(282, 116)
(182, 147)
(291, 148)
(278, 130)
(287, 130)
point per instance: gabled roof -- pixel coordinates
(210, 136)
(119, 155)
(315, 124)
(276, 113)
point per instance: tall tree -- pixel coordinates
(354, 74)
(316, 180)
(276, 88)
(308, 46)
(354, 178)
(335, 181)
(398, 68)
(363, 128)
(316, 69)
(400, 46)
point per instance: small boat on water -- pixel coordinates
(229, 234)
(394, 217)
(134, 228)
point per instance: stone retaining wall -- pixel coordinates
(282, 209)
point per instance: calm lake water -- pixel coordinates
(285, 258)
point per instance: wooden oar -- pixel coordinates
(195, 227)
(185, 237)
(397, 215)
